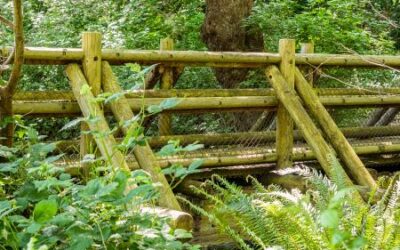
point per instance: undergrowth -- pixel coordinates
(43, 207)
(324, 217)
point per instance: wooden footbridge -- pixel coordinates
(305, 130)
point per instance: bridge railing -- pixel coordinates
(232, 143)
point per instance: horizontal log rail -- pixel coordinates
(69, 96)
(238, 138)
(245, 156)
(68, 107)
(37, 55)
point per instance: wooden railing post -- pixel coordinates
(167, 79)
(284, 123)
(91, 45)
(308, 71)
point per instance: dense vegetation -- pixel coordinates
(326, 216)
(42, 207)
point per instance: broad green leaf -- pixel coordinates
(193, 147)
(34, 228)
(113, 97)
(329, 218)
(44, 211)
(195, 165)
(168, 150)
(81, 242)
(180, 171)
(72, 123)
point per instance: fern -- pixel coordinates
(324, 217)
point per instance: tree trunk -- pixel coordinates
(6, 115)
(223, 30)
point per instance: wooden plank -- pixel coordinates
(143, 154)
(355, 167)
(284, 123)
(106, 143)
(167, 80)
(311, 133)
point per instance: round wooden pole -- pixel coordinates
(91, 45)
(167, 79)
(284, 123)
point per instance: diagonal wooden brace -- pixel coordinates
(311, 133)
(144, 155)
(355, 167)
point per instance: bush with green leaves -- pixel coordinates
(44, 207)
(326, 216)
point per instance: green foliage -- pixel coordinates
(178, 172)
(42, 207)
(334, 26)
(325, 217)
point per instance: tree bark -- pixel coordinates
(7, 92)
(223, 30)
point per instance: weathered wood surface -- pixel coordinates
(355, 167)
(68, 107)
(36, 55)
(238, 138)
(167, 80)
(323, 152)
(69, 96)
(143, 154)
(91, 64)
(106, 143)
(284, 122)
(308, 71)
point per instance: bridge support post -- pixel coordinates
(167, 80)
(284, 123)
(91, 45)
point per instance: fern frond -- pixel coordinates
(213, 219)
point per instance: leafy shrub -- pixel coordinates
(43, 207)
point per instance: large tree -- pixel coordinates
(223, 30)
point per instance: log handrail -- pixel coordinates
(37, 55)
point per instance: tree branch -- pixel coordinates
(5, 64)
(9, 89)
(7, 22)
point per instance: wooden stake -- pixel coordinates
(143, 154)
(284, 127)
(91, 45)
(354, 165)
(167, 79)
(308, 48)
